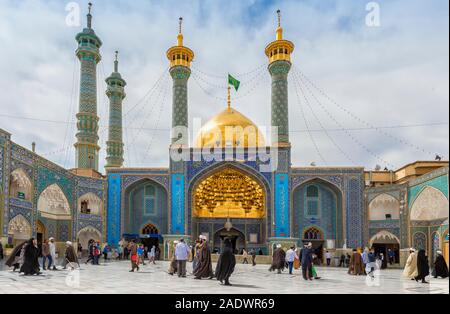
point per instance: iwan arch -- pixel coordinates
(336, 208)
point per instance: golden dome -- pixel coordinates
(230, 128)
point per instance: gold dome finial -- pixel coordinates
(180, 33)
(179, 54)
(279, 49)
(279, 29)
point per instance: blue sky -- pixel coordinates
(395, 74)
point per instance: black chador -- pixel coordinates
(226, 263)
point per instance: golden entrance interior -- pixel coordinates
(229, 193)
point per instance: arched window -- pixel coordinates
(150, 230)
(312, 234)
(149, 200)
(312, 201)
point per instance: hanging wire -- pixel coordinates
(302, 113)
(225, 86)
(139, 131)
(257, 80)
(360, 120)
(69, 112)
(221, 77)
(297, 82)
(161, 109)
(349, 134)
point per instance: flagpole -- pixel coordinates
(229, 97)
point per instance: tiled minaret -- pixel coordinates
(180, 58)
(279, 54)
(116, 94)
(88, 52)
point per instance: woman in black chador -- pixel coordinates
(422, 266)
(14, 259)
(226, 263)
(440, 266)
(30, 264)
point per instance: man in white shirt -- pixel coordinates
(52, 248)
(291, 256)
(182, 255)
(328, 258)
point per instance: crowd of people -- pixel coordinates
(25, 258)
(417, 266)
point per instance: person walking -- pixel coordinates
(46, 255)
(306, 259)
(52, 248)
(140, 253)
(423, 267)
(328, 258)
(1, 251)
(226, 263)
(410, 270)
(181, 256)
(391, 256)
(291, 256)
(106, 251)
(372, 262)
(278, 260)
(132, 248)
(30, 264)
(244, 256)
(253, 255)
(152, 255)
(440, 266)
(70, 256)
(356, 267)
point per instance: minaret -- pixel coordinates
(180, 58)
(87, 148)
(116, 94)
(279, 54)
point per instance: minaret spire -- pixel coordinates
(180, 58)
(89, 16)
(116, 62)
(279, 54)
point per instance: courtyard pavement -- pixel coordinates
(113, 277)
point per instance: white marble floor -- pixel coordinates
(114, 277)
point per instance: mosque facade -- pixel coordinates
(222, 185)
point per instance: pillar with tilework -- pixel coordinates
(88, 52)
(180, 58)
(116, 94)
(279, 54)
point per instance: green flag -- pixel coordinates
(232, 81)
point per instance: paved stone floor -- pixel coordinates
(114, 277)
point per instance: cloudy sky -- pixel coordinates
(387, 86)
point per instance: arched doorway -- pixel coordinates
(40, 233)
(87, 234)
(316, 237)
(384, 241)
(237, 239)
(150, 236)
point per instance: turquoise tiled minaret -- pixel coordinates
(116, 94)
(88, 52)
(279, 54)
(180, 58)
